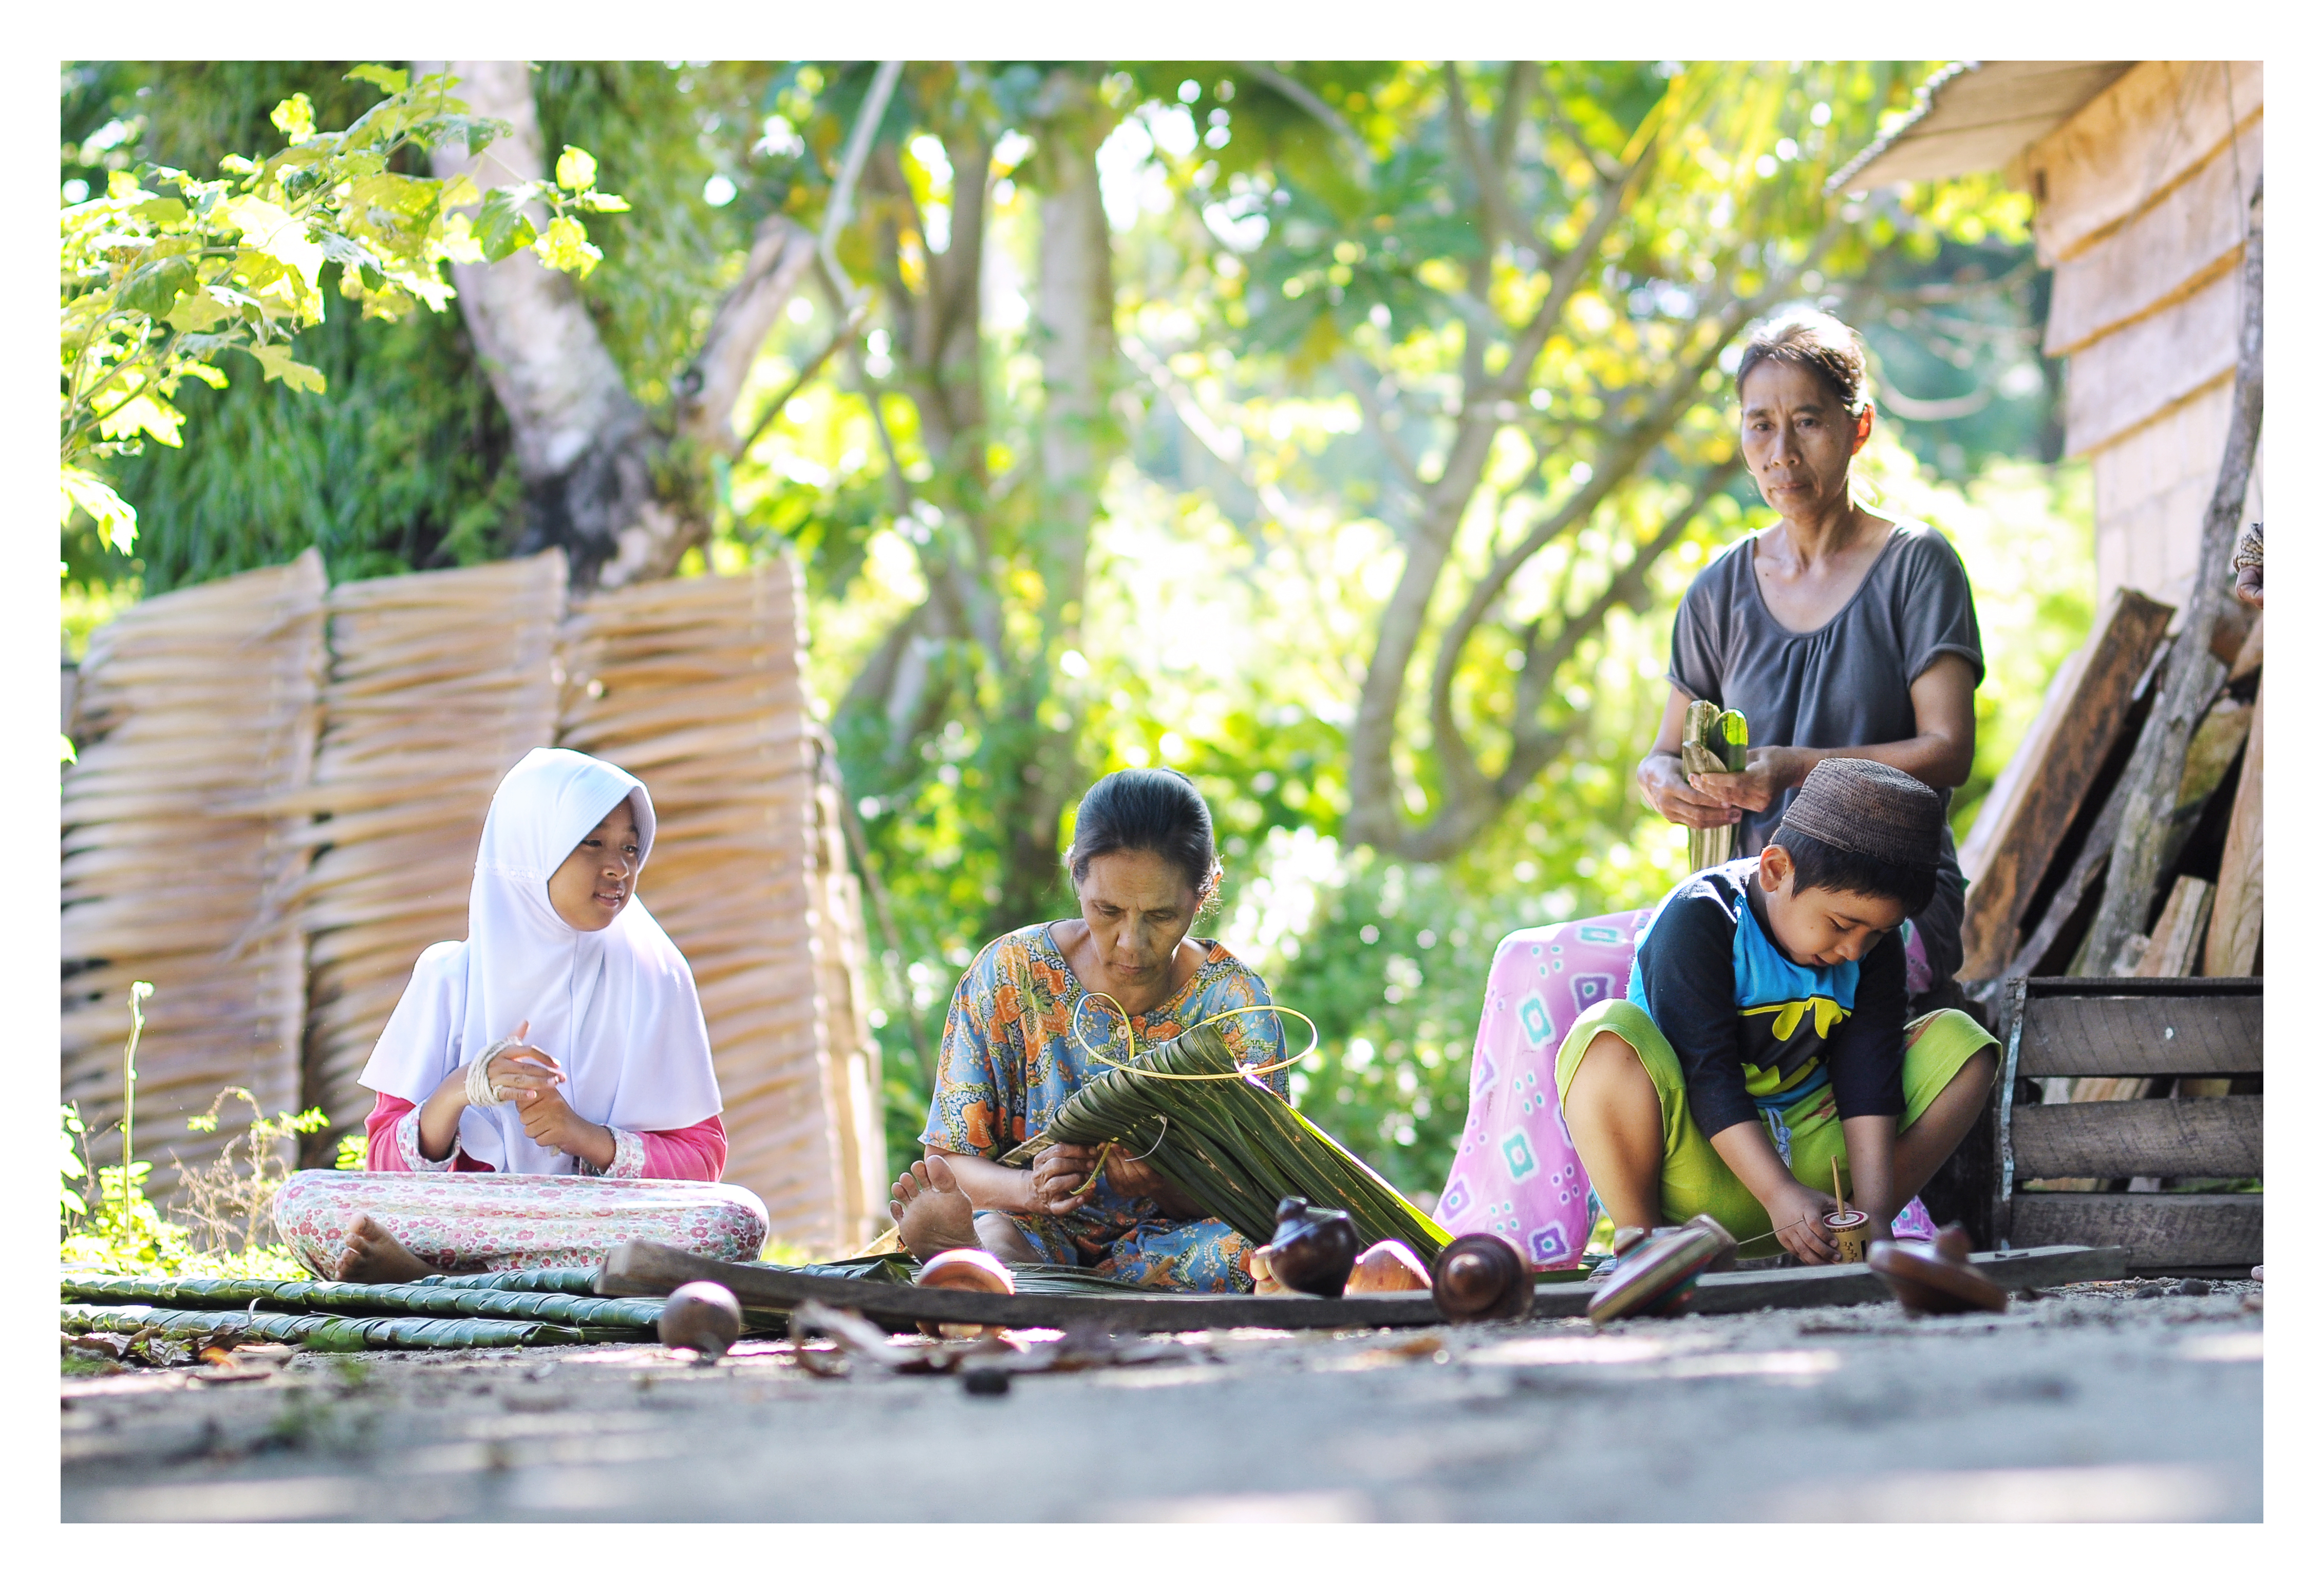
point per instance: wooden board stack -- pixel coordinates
(439, 683)
(694, 686)
(2037, 857)
(194, 708)
(2135, 1135)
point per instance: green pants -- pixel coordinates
(1695, 1178)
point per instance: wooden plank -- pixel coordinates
(651, 1270)
(2115, 384)
(2236, 915)
(2157, 1229)
(2177, 940)
(1826, 1286)
(2138, 1036)
(2089, 869)
(2062, 757)
(2126, 149)
(2193, 231)
(2253, 651)
(2140, 1138)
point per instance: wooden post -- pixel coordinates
(2195, 675)
(2233, 944)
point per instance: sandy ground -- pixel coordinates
(2111, 1401)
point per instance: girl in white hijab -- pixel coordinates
(562, 1039)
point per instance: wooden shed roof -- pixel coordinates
(1977, 116)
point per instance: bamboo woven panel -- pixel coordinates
(195, 710)
(439, 683)
(694, 686)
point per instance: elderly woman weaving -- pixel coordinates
(1835, 631)
(1032, 1017)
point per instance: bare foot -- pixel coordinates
(932, 1214)
(373, 1255)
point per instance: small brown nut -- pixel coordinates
(701, 1315)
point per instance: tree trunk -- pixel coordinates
(597, 466)
(1041, 768)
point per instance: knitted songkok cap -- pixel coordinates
(1861, 806)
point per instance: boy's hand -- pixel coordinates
(1798, 1215)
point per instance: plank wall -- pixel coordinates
(2141, 206)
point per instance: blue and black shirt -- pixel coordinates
(1755, 1030)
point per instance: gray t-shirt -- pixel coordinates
(1846, 684)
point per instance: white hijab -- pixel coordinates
(614, 1008)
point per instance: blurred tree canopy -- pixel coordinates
(1340, 433)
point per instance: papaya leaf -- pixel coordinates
(502, 226)
(576, 169)
(566, 247)
(387, 80)
(278, 364)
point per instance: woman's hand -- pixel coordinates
(1138, 1180)
(1060, 1182)
(1663, 778)
(1767, 774)
(552, 1124)
(1798, 1212)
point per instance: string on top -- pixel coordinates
(1130, 1034)
(1242, 1070)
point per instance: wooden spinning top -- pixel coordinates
(1388, 1267)
(968, 1270)
(971, 1269)
(703, 1316)
(1658, 1270)
(1937, 1281)
(1313, 1250)
(1481, 1276)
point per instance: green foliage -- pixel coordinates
(124, 1233)
(1312, 280)
(165, 274)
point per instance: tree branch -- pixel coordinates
(1359, 152)
(782, 253)
(1484, 170)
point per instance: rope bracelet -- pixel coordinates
(481, 1092)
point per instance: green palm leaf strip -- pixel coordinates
(1233, 1146)
(335, 1334)
(416, 1299)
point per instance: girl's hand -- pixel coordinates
(552, 1124)
(521, 1071)
(1798, 1215)
(1767, 774)
(1060, 1180)
(1663, 781)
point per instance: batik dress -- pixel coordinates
(1010, 1060)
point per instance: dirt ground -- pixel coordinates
(2109, 1401)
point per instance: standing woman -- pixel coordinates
(1836, 631)
(1145, 868)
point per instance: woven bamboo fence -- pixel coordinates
(439, 683)
(193, 710)
(694, 686)
(358, 818)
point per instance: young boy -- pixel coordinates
(1764, 1033)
